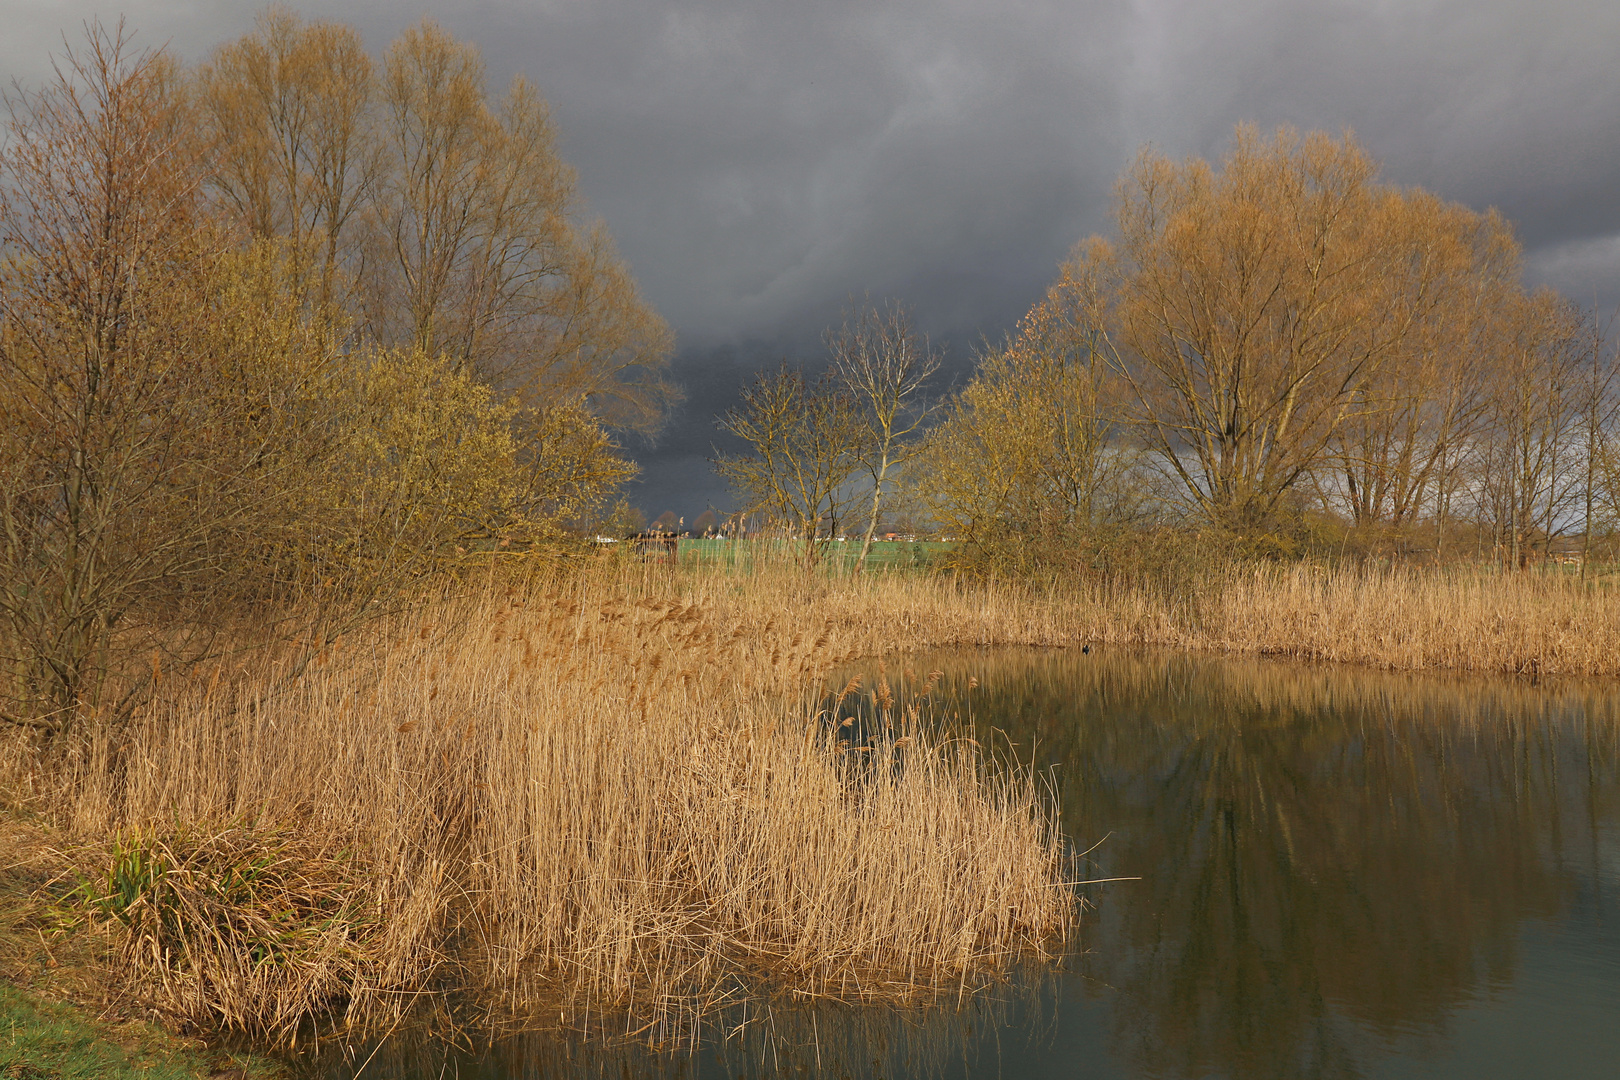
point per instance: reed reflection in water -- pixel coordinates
(1342, 873)
(779, 1039)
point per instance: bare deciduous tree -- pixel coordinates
(1600, 495)
(453, 217)
(1031, 455)
(190, 446)
(807, 440)
(1389, 459)
(143, 378)
(1529, 448)
(1255, 303)
(884, 365)
(296, 151)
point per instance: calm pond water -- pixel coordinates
(1342, 873)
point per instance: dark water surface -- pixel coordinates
(1342, 873)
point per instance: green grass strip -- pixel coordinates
(44, 1040)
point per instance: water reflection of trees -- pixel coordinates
(1323, 853)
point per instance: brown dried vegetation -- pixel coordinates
(594, 793)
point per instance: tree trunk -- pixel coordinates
(877, 498)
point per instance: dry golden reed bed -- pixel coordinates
(603, 795)
(600, 796)
(1459, 618)
(1462, 618)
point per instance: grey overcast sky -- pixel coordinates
(761, 163)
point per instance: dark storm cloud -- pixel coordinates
(759, 164)
(1514, 105)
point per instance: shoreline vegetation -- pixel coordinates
(609, 793)
(57, 1017)
(591, 794)
(1466, 616)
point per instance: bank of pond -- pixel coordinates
(1296, 871)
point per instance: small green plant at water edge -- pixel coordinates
(132, 882)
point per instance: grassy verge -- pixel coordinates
(46, 1040)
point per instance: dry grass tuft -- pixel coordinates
(237, 929)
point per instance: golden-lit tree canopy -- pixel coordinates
(208, 418)
(1283, 333)
(1027, 455)
(1256, 303)
(448, 218)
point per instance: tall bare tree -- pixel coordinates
(189, 443)
(1530, 450)
(1255, 304)
(296, 147)
(1600, 498)
(807, 440)
(151, 391)
(885, 365)
(452, 216)
(1389, 457)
